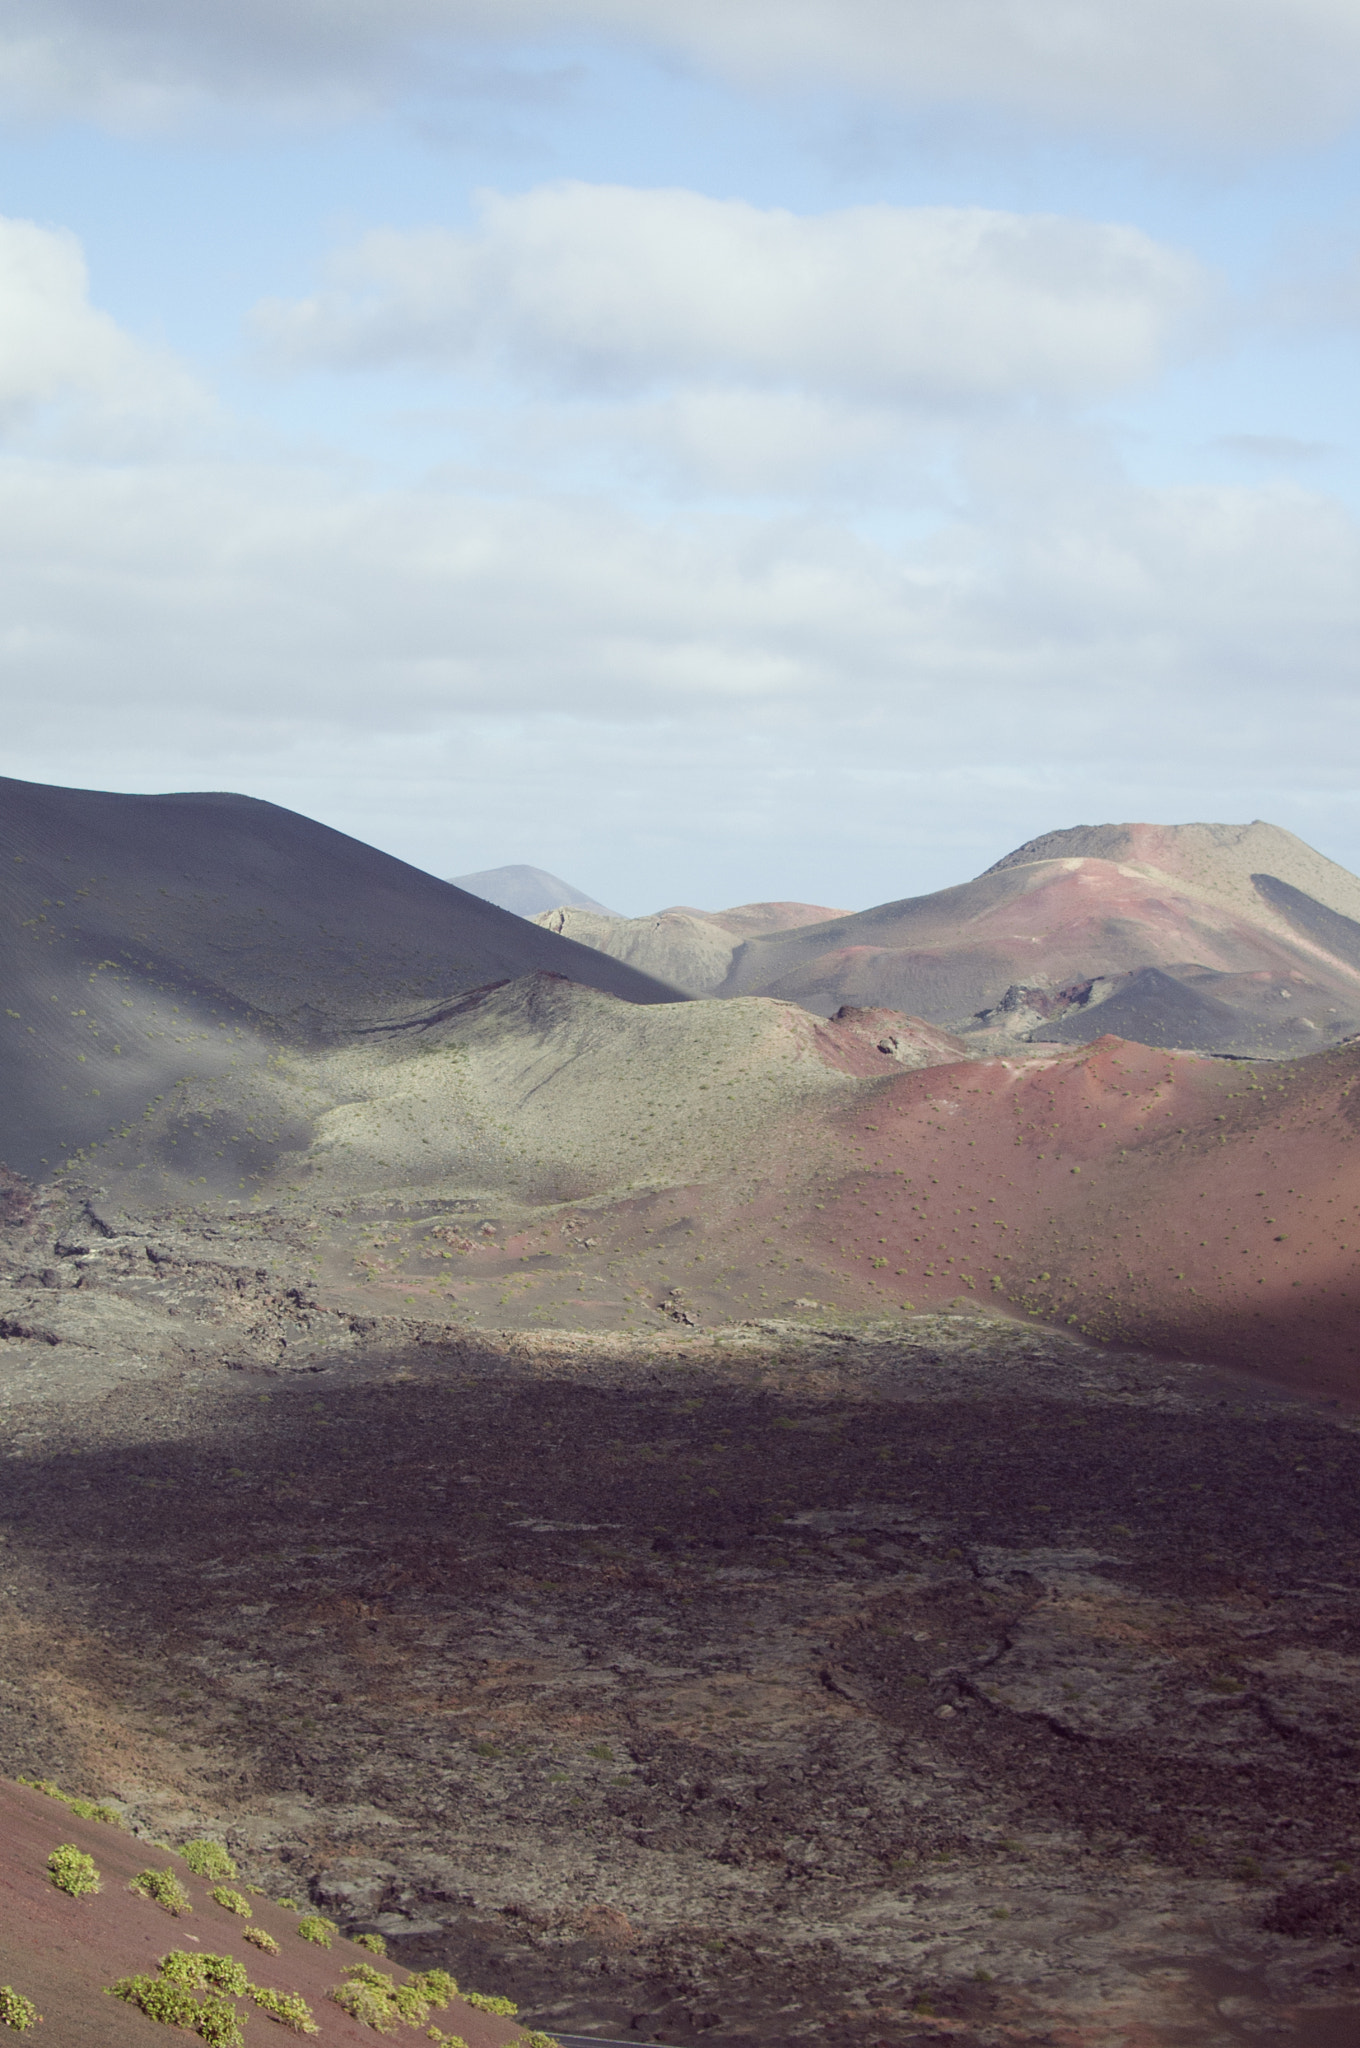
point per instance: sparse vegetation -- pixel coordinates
(194, 1992)
(84, 1809)
(436, 1986)
(163, 1888)
(233, 1902)
(374, 1943)
(222, 1973)
(261, 1939)
(72, 1871)
(317, 1928)
(289, 2008)
(17, 2011)
(376, 2000)
(485, 2001)
(208, 1859)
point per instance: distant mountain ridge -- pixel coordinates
(526, 890)
(1225, 938)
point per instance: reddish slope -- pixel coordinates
(1158, 1199)
(1063, 921)
(61, 1952)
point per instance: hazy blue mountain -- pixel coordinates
(526, 890)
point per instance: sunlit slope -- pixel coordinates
(690, 949)
(1258, 964)
(1144, 1197)
(533, 1093)
(144, 939)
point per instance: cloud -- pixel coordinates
(1236, 71)
(1278, 449)
(597, 286)
(56, 349)
(725, 700)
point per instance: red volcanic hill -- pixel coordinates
(1199, 1206)
(59, 1953)
(1220, 937)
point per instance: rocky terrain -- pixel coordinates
(721, 1521)
(921, 1681)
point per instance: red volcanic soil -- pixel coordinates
(61, 1952)
(1203, 1207)
(951, 955)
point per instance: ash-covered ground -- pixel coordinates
(863, 1683)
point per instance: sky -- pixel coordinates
(718, 451)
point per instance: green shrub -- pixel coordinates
(261, 1940)
(449, 2040)
(540, 2041)
(409, 2003)
(193, 1992)
(290, 1905)
(163, 1888)
(371, 2008)
(72, 1870)
(84, 1809)
(160, 1998)
(208, 1859)
(187, 1966)
(223, 1895)
(503, 2008)
(289, 2008)
(316, 1927)
(374, 1943)
(17, 2011)
(437, 1986)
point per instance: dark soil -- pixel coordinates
(953, 1680)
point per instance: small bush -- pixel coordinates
(289, 2008)
(410, 2005)
(160, 1998)
(189, 1993)
(73, 1871)
(449, 2040)
(316, 1927)
(198, 1972)
(208, 1859)
(290, 1905)
(374, 1943)
(364, 1973)
(261, 1940)
(84, 1809)
(163, 1888)
(17, 2011)
(218, 2023)
(503, 2008)
(540, 2041)
(437, 1986)
(371, 2008)
(223, 1895)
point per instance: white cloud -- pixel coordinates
(592, 286)
(1209, 70)
(711, 705)
(58, 349)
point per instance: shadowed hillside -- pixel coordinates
(148, 938)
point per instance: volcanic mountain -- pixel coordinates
(525, 890)
(1228, 938)
(150, 938)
